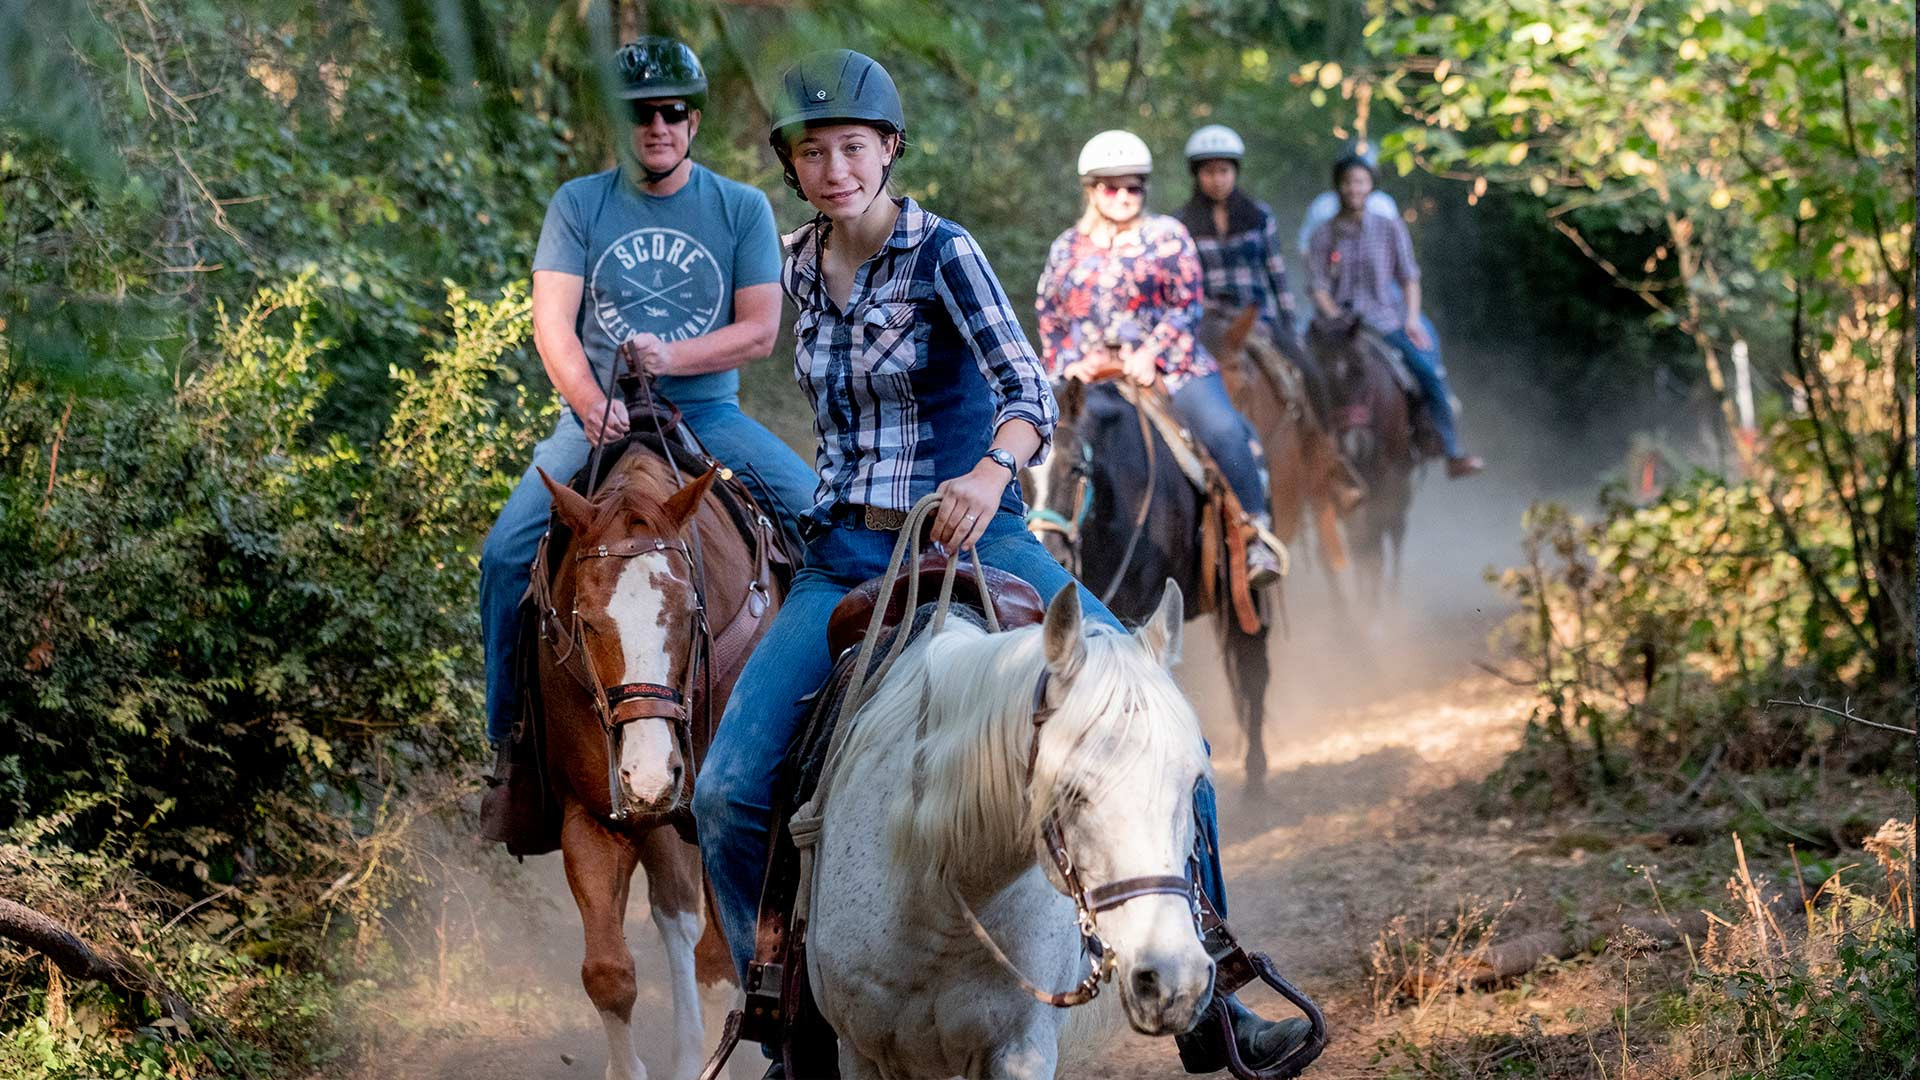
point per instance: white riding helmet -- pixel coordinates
(1115, 153)
(1213, 142)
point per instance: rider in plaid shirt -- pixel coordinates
(1238, 239)
(1362, 267)
(881, 373)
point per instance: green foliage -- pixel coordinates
(1657, 631)
(1857, 1022)
(1762, 154)
(251, 1014)
(312, 152)
(206, 587)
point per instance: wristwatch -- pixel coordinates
(1005, 457)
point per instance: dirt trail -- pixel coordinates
(1369, 730)
(1345, 830)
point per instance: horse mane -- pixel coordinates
(626, 494)
(971, 693)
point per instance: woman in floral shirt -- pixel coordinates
(1129, 280)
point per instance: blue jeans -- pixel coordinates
(733, 798)
(1432, 377)
(777, 479)
(1209, 414)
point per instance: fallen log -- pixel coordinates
(79, 959)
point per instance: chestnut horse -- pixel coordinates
(1305, 474)
(655, 603)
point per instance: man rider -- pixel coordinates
(677, 268)
(1326, 204)
(1360, 265)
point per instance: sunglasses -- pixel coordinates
(1111, 188)
(675, 112)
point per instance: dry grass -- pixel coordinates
(1783, 973)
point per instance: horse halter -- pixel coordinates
(621, 704)
(1087, 903)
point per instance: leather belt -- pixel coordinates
(880, 519)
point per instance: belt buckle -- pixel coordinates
(882, 520)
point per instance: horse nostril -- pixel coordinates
(1146, 984)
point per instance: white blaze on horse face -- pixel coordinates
(648, 756)
(1143, 826)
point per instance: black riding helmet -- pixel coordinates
(661, 67)
(837, 86)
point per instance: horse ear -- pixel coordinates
(1161, 636)
(1072, 396)
(1066, 644)
(573, 507)
(1240, 329)
(680, 506)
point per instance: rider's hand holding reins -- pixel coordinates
(613, 412)
(967, 503)
(647, 354)
(1141, 364)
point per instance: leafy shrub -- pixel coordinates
(246, 655)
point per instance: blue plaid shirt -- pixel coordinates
(1248, 268)
(911, 380)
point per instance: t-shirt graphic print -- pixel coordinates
(662, 265)
(657, 281)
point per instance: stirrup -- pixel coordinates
(1234, 968)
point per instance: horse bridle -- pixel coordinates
(621, 704)
(1087, 903)
(1047, 519)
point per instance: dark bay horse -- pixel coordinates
(1129, 520)
(1384, 438)
(656, 598)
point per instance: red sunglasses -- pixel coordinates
(1112, 188)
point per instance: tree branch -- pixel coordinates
(82, 960)
(1845, 712)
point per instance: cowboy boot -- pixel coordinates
(496, 805)
(1263, 563)
(1262, 1043)
(1349, 491)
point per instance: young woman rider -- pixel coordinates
(921, 380)
(1123, 274)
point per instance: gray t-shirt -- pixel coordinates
(662, 265)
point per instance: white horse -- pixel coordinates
(947, 790)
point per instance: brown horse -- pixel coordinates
(1305, 475)
(654, 604)
(1378, 431)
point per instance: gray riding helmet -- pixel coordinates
(661, 67)
(837, 84)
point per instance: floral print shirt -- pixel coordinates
(1146, 288)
